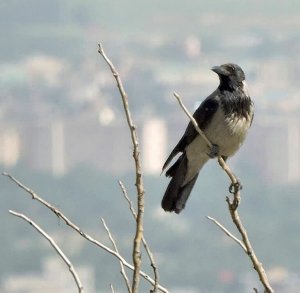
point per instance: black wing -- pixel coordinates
(203, 116)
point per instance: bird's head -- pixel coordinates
(230, 75)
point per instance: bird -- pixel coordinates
(225, 117)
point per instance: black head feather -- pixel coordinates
(231, 75)
(235, 98)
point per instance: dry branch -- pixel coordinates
(220, 159)
(139, 176)
(69, 223)
(228, 233)
(112, 288)
(55, 246)
(146, 246)
(112, 240)
(250, 251)
(232, 206)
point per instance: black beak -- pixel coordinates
(220, 70)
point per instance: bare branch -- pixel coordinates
(193, 120)
(123, 272)
(129, 201)
(69, 223)
(146, 246)
(112, 288)
(232, 206)
(55, 246)
(220, 159)
(139, 178)
(250, 252)
(228, 233)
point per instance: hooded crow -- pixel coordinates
(225, 117)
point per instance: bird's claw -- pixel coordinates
(214, 151)
(235, 187)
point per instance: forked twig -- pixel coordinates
(86, 236)
(112, 240)
(136, 254)
(146, 246)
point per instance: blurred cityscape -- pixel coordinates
(60, 108)
(54, 116)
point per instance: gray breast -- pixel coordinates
(228, 131)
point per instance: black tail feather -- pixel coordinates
(169, 159)
(177, 194)
(183, 195)
(172, 170)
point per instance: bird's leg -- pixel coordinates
(235, 187)
(214, 151)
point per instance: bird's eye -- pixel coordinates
(232, 68)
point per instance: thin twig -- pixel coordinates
(123, 272)
(232, 206)
(228, 233)
(69, 223)
(250, 251)
(193, 120)
(112, 288)
(55, 246)
(139, 176)
(129, 201)
(146, 246)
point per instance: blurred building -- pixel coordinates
(272, 147)
(54, 277)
